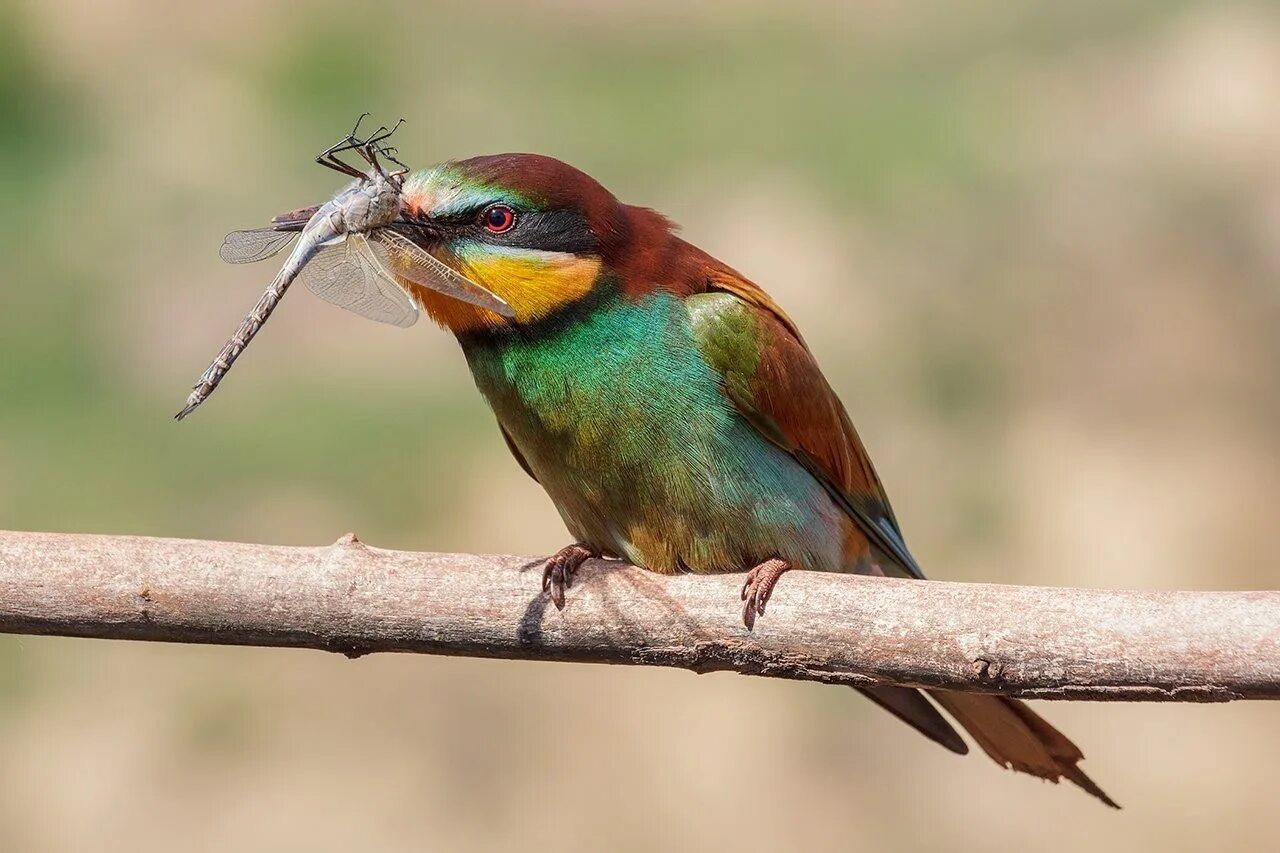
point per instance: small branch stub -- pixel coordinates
(348, 540)
(1033, 642)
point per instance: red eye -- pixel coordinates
(498, 218)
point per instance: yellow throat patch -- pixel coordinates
(533, 282)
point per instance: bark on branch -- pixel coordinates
(1034, 642)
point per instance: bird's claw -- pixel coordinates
(758, 587)
(557, 573)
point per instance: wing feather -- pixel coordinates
(776, 384)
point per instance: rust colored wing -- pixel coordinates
(773, 379)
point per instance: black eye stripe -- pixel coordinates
(562, 230)
(558, 230)
(454, 219)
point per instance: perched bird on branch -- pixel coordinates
(672, 411)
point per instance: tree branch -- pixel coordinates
(1032, 642)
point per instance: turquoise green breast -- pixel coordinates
(626, 427)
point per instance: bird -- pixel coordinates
(673, 412)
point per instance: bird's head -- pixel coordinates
(537, 232)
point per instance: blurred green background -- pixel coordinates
(1035, 246)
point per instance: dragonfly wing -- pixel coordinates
(348, 275)
(410, 261)
(255, 244)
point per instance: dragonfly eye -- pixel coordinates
(498, 218)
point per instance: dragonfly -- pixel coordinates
(350, 252)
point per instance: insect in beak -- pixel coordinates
(349, 253)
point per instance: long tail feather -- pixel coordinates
(1017, 737)
(915, 710)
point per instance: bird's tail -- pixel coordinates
(1019, 738)
(1007, 730)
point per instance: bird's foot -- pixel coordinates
(758, 587)
(557, 574)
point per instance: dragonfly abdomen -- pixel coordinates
(236, 344)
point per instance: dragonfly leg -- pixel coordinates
(368, 148)
(369, 151)
(390, 154)
(329, 158)
(383, 134)
(372, 147)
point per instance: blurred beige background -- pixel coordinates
(1036, 247)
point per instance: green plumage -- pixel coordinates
(626, 424)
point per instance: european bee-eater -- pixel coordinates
(671, 409)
